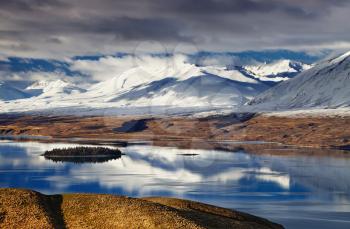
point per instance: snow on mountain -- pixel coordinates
(8, 92)
(46, 88)
(146, 71)
(152, 82)
(202, 90)
(277, 71)
(179, 84)
(38, 85)
(184, 87)
(326, 85)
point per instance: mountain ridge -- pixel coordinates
(323, 86)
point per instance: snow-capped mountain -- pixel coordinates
(47, 88)
(147, 71)
(184, 84)
(8, 92)
(277, 71)
(203, 90)
(153, 82)
(326, 85)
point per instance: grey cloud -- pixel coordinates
(296, 8)
(32, 5)
(124, 28)
(73, 27)
(238, 7)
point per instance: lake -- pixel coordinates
(296, 191)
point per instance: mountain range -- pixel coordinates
(277, 85)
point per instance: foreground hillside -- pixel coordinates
(29, 209)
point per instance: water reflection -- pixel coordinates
(297, 191)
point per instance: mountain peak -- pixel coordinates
(276, 71)
(42, 84)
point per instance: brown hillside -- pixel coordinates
(29, 209)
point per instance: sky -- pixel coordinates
(61, 29)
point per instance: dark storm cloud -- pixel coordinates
(294, 8)
(31, 5)
(235, 6)
(123, 28)
(73, 27)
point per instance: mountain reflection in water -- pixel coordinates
(297, 191)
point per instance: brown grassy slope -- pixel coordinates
(212, 216)
(28, 209)
(303, 131)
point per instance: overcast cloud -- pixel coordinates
(64, 28)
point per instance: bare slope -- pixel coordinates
(29, 209)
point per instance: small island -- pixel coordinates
(83, 154)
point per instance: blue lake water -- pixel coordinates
(296, 191)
